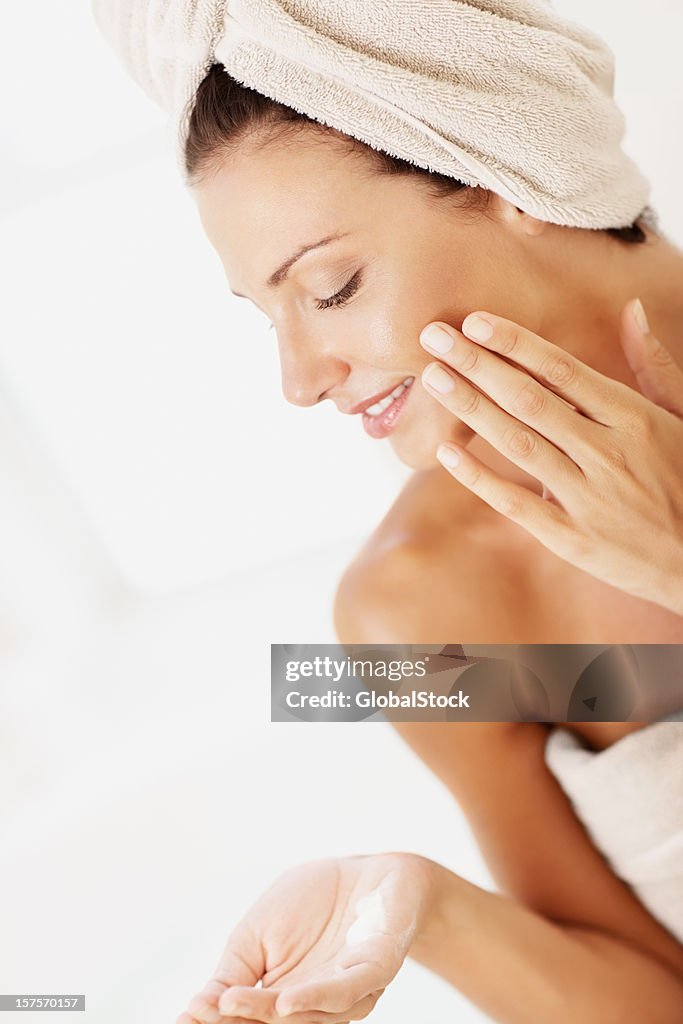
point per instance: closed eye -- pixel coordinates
(340, 297)
(343, 295)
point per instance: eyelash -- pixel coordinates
(340, 298)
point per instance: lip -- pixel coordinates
(381, 426)
(362, 406)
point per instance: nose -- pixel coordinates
(309, 370)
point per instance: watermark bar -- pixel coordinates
(51, 1004)
(476, 682)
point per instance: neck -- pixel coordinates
(590, 277)
(586, 278)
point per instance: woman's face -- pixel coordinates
(400, 259)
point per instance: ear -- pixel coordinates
(516, 219)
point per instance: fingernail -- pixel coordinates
(436, 338)
(476, 328)
(639, 317)
(447, 455)
(438, 378)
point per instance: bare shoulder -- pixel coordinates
(387, 584)
(439, 566)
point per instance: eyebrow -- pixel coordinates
(279, 275)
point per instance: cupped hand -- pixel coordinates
(610, 458)
(320, 944)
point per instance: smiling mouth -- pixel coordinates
(379, 407)
(380, 424)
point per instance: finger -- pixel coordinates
(203, 1006)
(203, 1009)
(241, 963)
(239, 1003)
(364, 1006)
(242, 1001)
(659, 376)
(357, 1011)
(516, 441)
(513, 390)
(186, 1018)
(591, 392)
(545, 519)
(350, 986)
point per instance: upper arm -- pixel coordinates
(534, 845)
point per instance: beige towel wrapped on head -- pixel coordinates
(502, 94)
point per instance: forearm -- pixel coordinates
(537, 851)
(521, 968)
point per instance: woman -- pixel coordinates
(390, 247)
(349, 316)
(414, 243)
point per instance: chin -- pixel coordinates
(418, 449)
(415, 460)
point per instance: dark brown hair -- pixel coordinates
(225, 113)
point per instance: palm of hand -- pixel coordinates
(323, 941)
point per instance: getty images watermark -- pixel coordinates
(476, 683)
(337, 670)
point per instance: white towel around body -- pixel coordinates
(629, 798)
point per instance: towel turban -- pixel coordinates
(502, 94)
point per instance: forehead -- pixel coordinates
(266, 200)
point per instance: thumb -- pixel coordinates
(242, 961)
(659, 376)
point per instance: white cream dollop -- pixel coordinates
(370, 918)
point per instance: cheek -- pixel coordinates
(445, 425)
(378, 342)
(428, 425)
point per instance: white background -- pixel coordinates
(157, 535)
